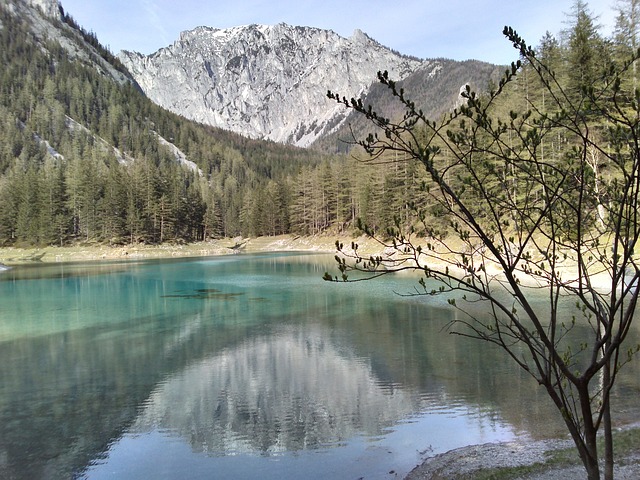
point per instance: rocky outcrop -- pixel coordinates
(50, 8)
(262, 81)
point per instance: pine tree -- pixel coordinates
(53, 215)
(625, 37)
(213, 226)
(113, 206)
(586, 53)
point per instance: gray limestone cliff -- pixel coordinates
(267, 82)
(50, 8)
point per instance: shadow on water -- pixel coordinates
(205, 294)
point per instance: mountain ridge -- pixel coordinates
(270, 81)
(264, 81)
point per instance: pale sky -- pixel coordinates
(456, 29)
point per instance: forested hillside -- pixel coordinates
(389, 194)
(85, 157)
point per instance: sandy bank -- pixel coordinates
(16, 256)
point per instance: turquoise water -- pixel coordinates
(244, 366)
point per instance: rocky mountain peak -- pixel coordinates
(264, 81)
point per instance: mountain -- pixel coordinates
(263, 81)
(434, 87)
(270, 82)
(85, 156)
(45, 20)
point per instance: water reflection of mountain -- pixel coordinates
(65, 397)
(188, 359)
(290, 391)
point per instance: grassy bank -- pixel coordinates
(557, 460)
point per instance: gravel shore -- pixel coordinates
(469, 462)
(90, 252)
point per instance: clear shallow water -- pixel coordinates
(243, 367)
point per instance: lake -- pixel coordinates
(246, 366)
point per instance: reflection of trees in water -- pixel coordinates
(408, 343)
(285, 392)
(72, 387)
(65, 397)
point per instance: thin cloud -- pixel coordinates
(154, 19)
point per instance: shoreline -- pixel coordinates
(520, 459)
(13, 256)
